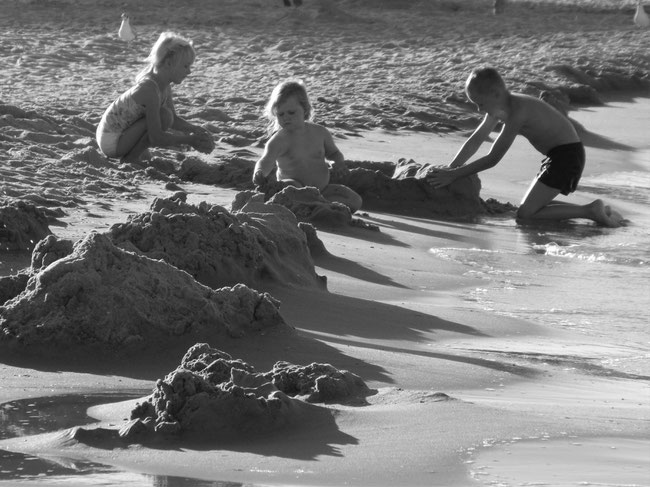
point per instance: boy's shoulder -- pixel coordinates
(528, 102)
(527, 106)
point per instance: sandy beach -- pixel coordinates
(462, 350)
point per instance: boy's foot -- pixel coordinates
(604, 215)
(616, 217)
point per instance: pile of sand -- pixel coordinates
(253, 246)
(102, 299)
(407, 191)
(212, 396)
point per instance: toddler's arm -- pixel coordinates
(267, 162)
(332, 153)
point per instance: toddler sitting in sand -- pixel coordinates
(550, 132)
(300, 148)
(142, 116)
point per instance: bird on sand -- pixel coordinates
(125, 32)
(640, 17)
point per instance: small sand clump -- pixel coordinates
(212, 396)
(309, 206)
(231, 170)
(22, 225)
(103, 298)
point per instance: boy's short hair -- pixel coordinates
(484, 81)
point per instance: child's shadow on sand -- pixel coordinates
(598, 141)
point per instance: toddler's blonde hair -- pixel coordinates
(281, 93)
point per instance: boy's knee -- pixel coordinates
(166, 118)
(524, 213)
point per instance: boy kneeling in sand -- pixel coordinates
(550, 132)
(300, 148)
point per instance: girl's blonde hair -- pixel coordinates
(169, 45)
(281, 93)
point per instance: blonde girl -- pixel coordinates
(142, 116)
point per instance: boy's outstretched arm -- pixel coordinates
(474, 141)
(439, 177)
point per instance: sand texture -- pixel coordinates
(265, 336)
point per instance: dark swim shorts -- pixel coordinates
(563, 167)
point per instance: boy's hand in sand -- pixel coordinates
(202, 141)
(439, 177)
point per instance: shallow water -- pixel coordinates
(573, 276)
(568, 461)
(47, 414)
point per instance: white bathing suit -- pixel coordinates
(120, 115)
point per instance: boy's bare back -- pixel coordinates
(540, 123)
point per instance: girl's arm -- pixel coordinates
(202, 138)
(180, 123)
(148, 97)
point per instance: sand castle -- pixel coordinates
(213, 396)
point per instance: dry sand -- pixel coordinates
(390, 318)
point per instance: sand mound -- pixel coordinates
(406, 191)
(212, 396)
(101, 298)
(231, 170)
(307, 204)
(22, 225)
(220, 248)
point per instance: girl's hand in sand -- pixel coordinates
(202, 141)
(439, 177)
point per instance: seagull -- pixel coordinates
(640, 17)
(125, 33)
